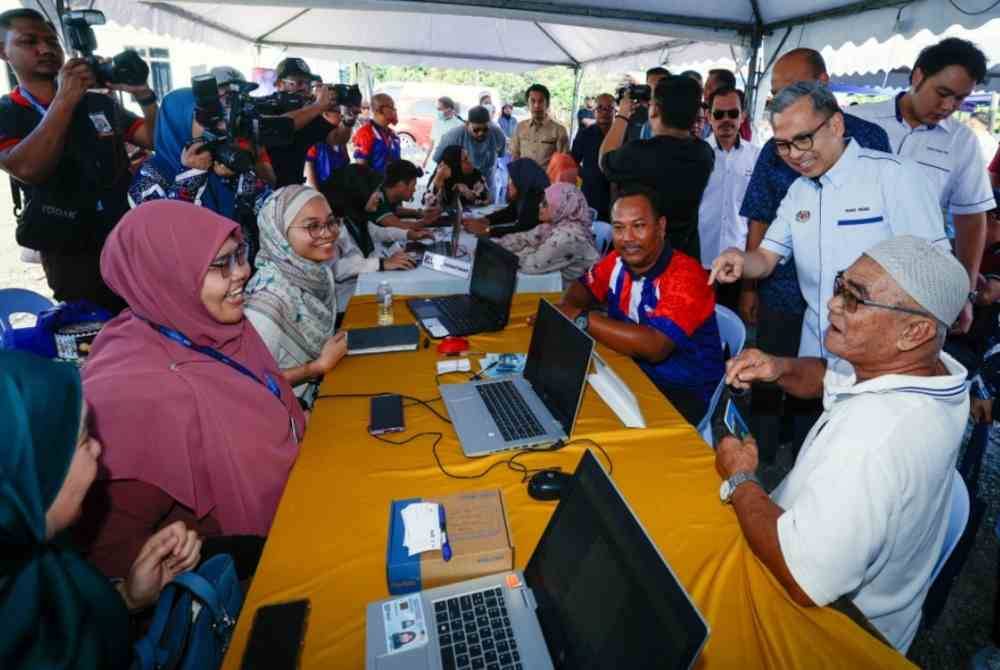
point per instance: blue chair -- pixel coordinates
(18, 301)
(957, 519)
(734, 335)
(602, 236)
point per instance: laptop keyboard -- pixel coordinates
(513, 416)
(463, 315)
(474, 632)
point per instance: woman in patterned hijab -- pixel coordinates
(291, 300)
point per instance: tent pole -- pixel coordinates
(753, 75)
(577, 81)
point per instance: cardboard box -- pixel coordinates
(479, 535)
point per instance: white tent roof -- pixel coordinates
(523, 34)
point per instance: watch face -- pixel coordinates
(724, 491)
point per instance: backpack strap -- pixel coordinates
(147, 650)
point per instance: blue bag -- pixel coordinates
(194, 619)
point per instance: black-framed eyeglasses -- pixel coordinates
(319, 230)
(719, 114)
(802, 142)
(852, 301)
(228, 264)
(478, 130)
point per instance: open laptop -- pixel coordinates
(444, 247)
(536, 407)
(596, 594)
(486, 307)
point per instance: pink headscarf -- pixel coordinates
(569, 211)
(213, 439)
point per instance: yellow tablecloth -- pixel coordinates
(328, 541)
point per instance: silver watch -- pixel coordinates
(729, 486)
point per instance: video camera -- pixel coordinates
(125, 68)
(282, 102)
(244, 118)
(637, 92)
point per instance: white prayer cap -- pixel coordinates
(932, 276)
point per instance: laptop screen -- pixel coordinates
(558, 361)
(606, 598)
(494, 276)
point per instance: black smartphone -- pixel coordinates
(386, 414)
(276, 636)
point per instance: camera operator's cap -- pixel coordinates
(478, 114)
(225, 74)
(933, 277)
(295, 67)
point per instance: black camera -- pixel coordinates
(282, 102)
(637, 92)
(230, 115)
(125, 68)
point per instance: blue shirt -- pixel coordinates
(768, 185)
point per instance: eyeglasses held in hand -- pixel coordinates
(851, 301)
(227, 265)
(321, 230)
(802, 142)
(718, 114)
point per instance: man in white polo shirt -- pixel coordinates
(847, 199)
(720, 225)
(920, 127)
(864, 511)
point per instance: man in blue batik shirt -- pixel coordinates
(775, 304)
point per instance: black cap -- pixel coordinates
(295, 67)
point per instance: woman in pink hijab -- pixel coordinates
(197, 422)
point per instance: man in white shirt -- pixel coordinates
(864, 511)
(847, 199)
(920, 127)
(720, 225)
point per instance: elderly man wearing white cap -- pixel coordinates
(864, 511)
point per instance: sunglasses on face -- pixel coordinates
(319, 230)
(720, 114)
(477, 130)
(851, 301)
(228, 264)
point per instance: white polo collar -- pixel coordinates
(841, 382)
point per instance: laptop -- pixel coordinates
(536, 407)
(596, 594)
(444, 247)
(486, 307)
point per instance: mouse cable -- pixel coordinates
(416, 401)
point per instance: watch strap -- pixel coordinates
(738, 479)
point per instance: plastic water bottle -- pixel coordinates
(384, 297)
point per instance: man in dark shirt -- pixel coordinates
(674, 164)
(586, 147)
(294, 76)
(585, 115)
(775, 304)
(65, 146)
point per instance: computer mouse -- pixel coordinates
(453, 345)
(548, 484)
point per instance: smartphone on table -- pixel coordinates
(276, 636)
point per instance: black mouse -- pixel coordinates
(548, 484)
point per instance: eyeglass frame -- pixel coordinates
(811, 137)
(227, 265)
(328, 225)
(840, 289)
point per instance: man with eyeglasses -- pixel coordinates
(317, 121)
(376, 144)
(720, 225)
(920, 127)
(846, 200)
(864, 511)
(482, 140)
(586, 149)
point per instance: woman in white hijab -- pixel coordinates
(291, 300)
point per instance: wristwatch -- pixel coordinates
(729, 486)
(582, 320)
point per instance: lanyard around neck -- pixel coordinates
(37, 106)
(185, 341)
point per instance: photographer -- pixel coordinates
(673, 163)
(312, 126)
(184, 169)
(64, 146)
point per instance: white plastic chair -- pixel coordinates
(733, 334)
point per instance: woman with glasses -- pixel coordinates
(291, 300)
(197, 422)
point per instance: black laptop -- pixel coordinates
(487, 306)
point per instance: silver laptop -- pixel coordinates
(596, 594)
(533, 408)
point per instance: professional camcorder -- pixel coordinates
(125, 68)
(637, 92)
(282, 102)
(234, 115)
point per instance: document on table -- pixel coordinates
(421, 527)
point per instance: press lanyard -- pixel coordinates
(184, 341)
(37, 106)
